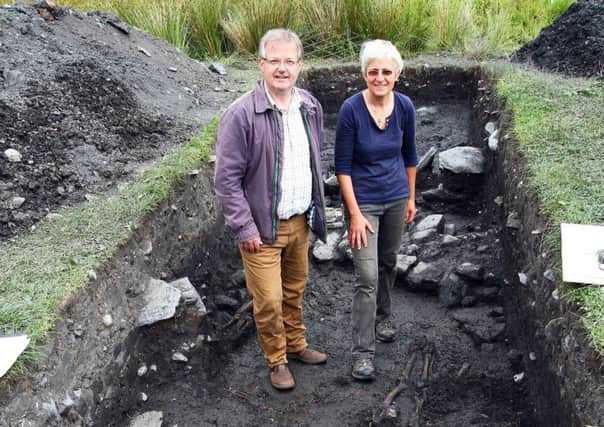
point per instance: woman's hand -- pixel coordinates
(357, 232)
(410, 211)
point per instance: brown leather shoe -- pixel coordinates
(308, 356)
(281, 377)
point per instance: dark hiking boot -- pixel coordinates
(362, 369)
(385, 331)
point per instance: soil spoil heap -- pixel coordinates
(573, 44)
(85, 101)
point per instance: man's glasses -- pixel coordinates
(374, 72)
(287, 63)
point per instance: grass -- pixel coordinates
(558, 124)
(40, 270)
(335, 28)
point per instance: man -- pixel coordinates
(268, 181)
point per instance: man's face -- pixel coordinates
(280, 68)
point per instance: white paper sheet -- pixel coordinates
(580, 246)
(10, 349)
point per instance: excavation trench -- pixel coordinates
(461, 357)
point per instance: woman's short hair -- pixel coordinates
(279, 34)
(380, 49)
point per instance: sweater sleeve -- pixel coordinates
(230, 169)
(409, 148)
(345, 137)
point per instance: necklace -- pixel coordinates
(380, 115)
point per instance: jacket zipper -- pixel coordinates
(314, 168)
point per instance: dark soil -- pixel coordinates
(88, 105)
(573, 44)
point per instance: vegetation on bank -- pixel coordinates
(335, 28)
(557, 122)
(42, 268)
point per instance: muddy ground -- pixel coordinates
(492, 355)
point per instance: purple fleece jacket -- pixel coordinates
(249, 154)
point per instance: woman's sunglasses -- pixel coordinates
(374, 72)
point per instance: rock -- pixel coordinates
(344, 249)
(412, 249)
(493, 142)
(513, 221)
(334, 218)
(218, 68)
(425, 277)
(107, 320)
(161, 301)
(426, 111)
(143, 397)
(146, 247)
(12, 155)
(426, 159)
(450, 240)
(523, 278)
(518, 377)
(331, 186)
(16, 202)
(179, 357)
(404, 263)
(12, 77)
(486, 293)
(148, 419)
(549, 275)
(490, 127)
(91, 274)
(479, 323)
(420, 236)
(462, 160)
(225, 302)
(498, 200)
(435, 221)
(144, 51)
(451, 290)
(142, 371)
(553, 329)
(323, 252)
(238, 278)
(440, 194)
(472, 271)
(449, 229)
(189, 295)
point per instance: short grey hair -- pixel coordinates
(380, 49)
(279, 34)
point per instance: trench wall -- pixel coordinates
(89, 366)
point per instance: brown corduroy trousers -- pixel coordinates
(276, 278)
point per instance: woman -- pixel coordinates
(375, 158)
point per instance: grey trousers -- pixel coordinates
(375, 269)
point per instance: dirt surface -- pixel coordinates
(573, 44)
(87, 101)
(458, 375)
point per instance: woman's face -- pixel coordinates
(380, 76)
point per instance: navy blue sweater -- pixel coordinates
(374, 158)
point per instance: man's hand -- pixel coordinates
(252, 245)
